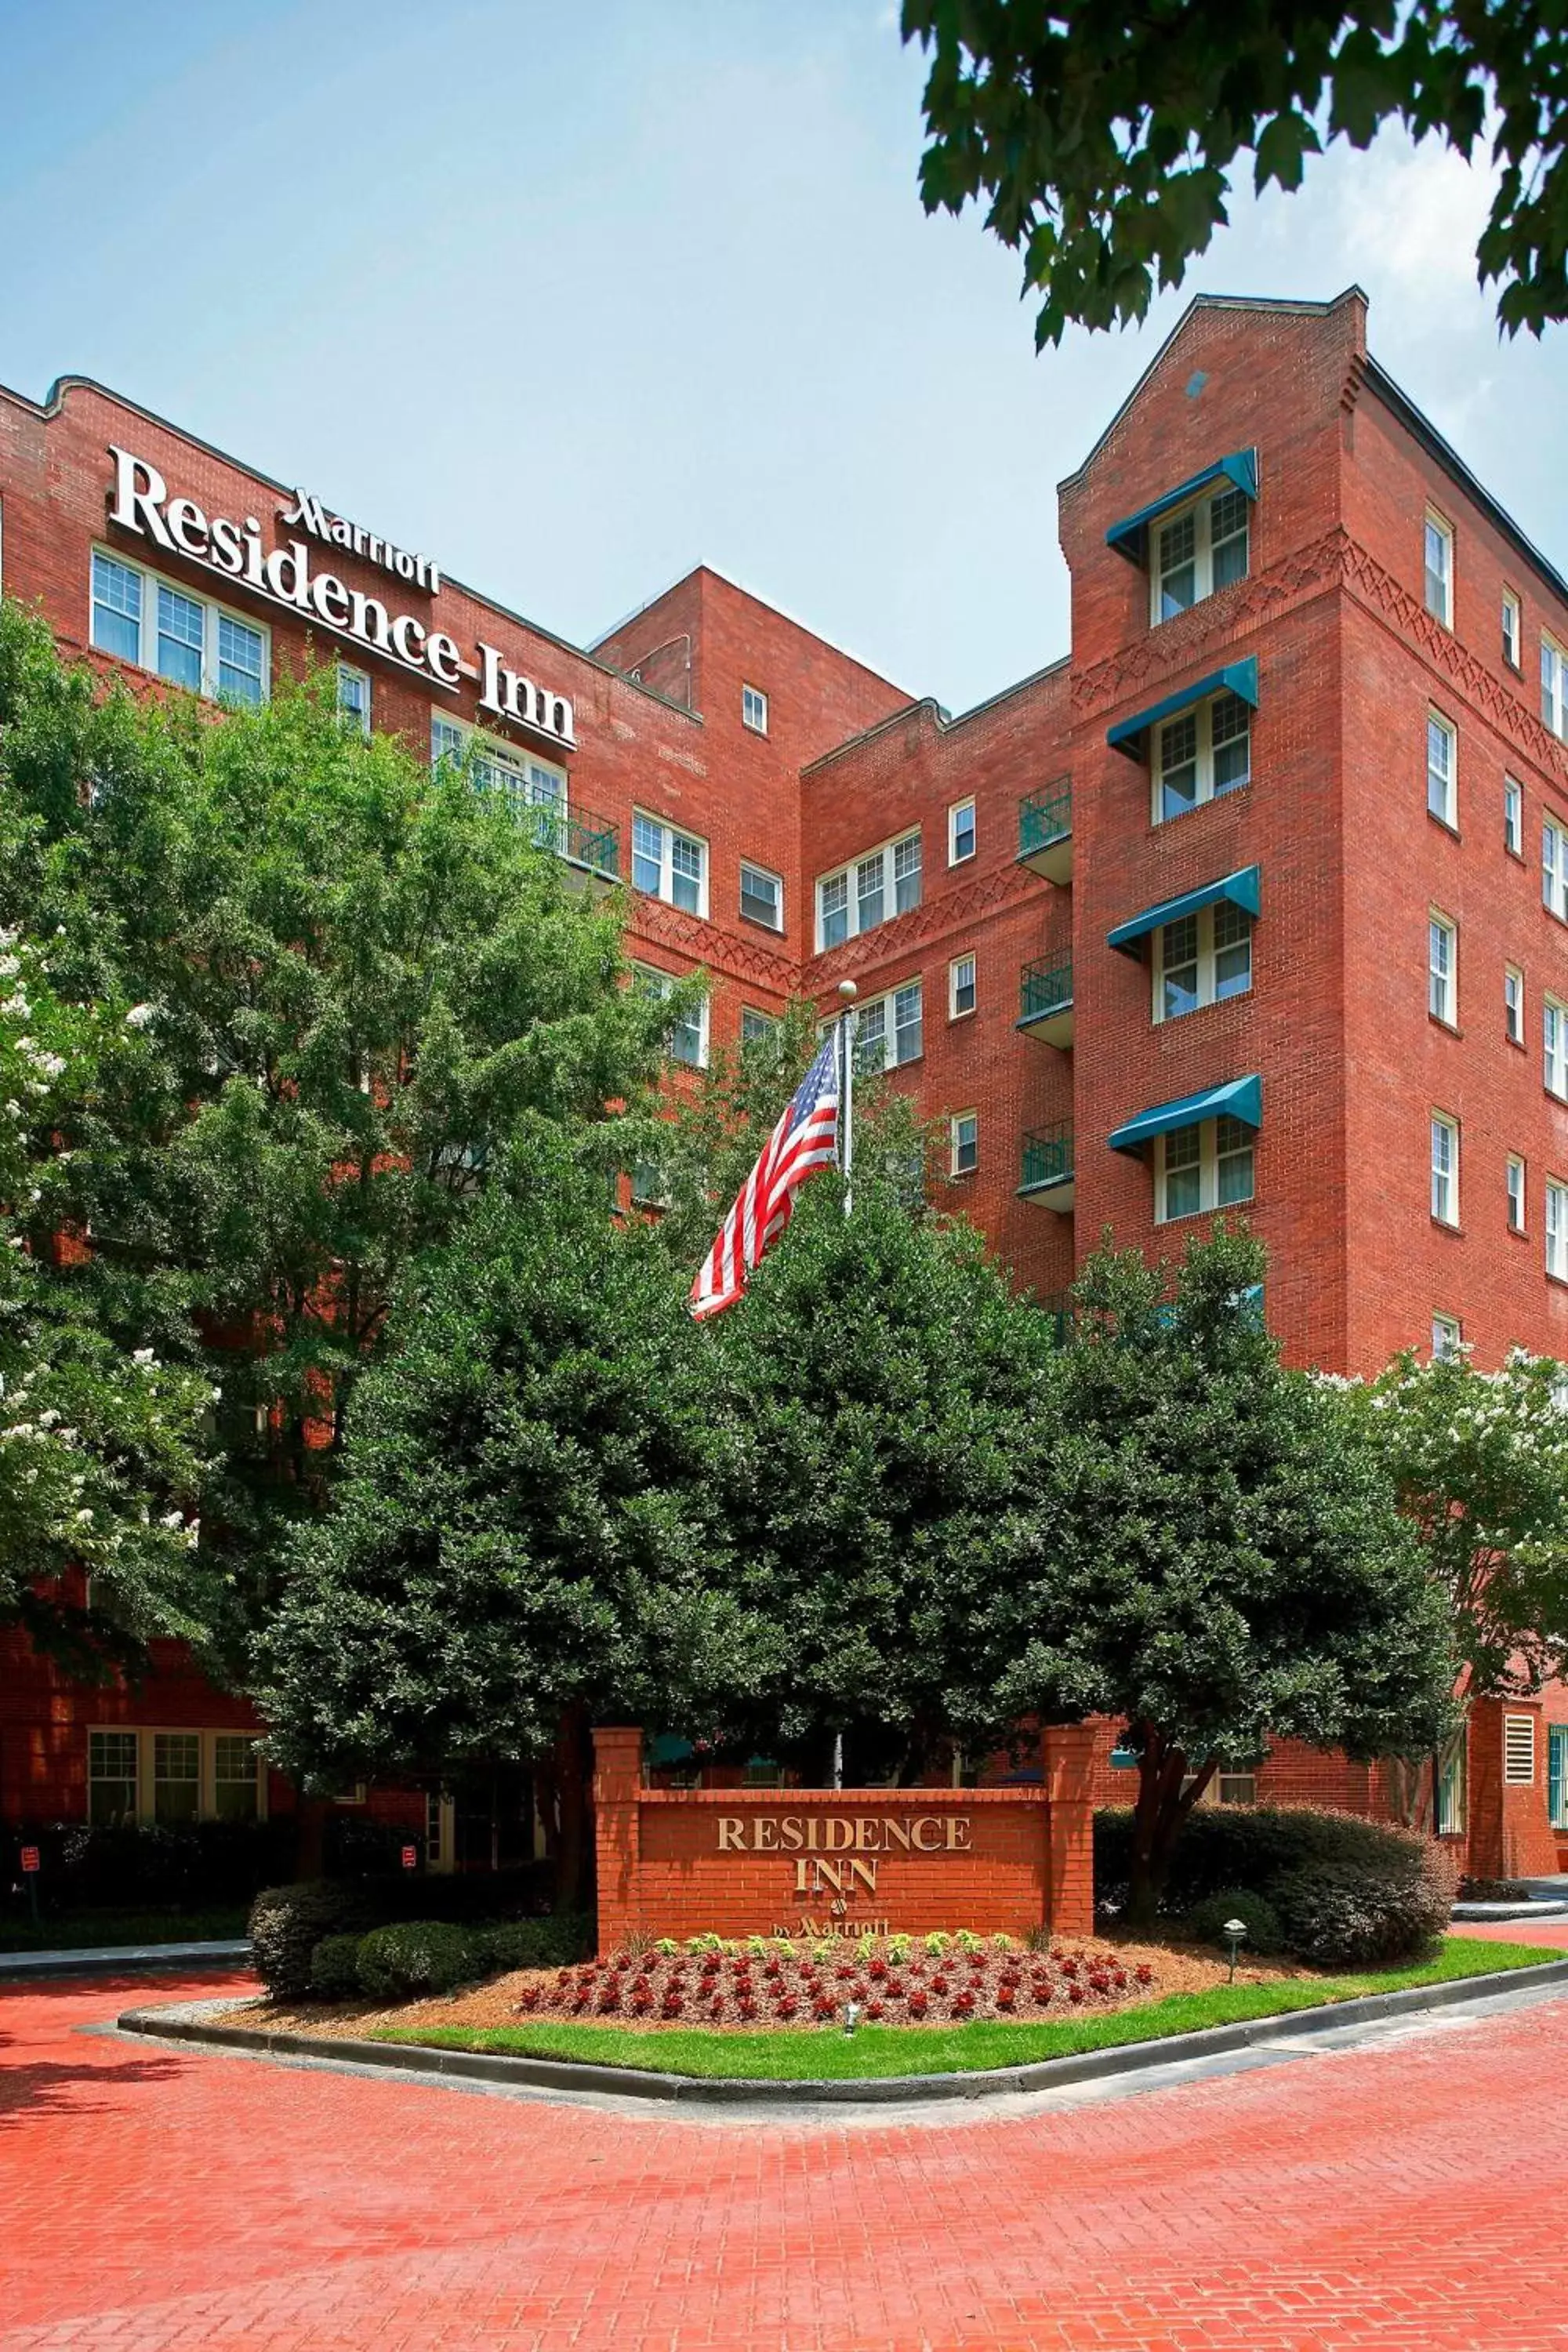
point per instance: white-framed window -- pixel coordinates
(964, 1141)
(889, 1030)
(1450, 1821)
(757, 1028)
(1443, 970)
(1447, 1338)
(353, 696)
(140, 618)
(1202, 959)
(754, 710)
(884, 883)
(1442, 772)
(516, 776)
(1202, 548)
(670, 865)
(172, 1776)
(649, 1186)
(1518, 1181)
(1439, 569)
(1554, 1045)
(1513, 1003)
(1236, 1788)
(1510, 629)
(1554, 686)
(762, 897)
(1200, 754)
(688, 1039)
(1519, 1751)
(1513, 816)
(960, 987)
(1445, 1168)
(1209, 1166)
(1554, 869)
(1557, 1228)
(959, 832)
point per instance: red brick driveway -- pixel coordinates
(1407, 2196)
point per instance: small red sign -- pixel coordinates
(29, 1857)
(410, 1858)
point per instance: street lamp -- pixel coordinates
(1234, 1933)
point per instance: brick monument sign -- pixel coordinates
(843, 1862)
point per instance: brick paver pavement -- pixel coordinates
(1398, 2198)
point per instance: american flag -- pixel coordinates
(805, 1138)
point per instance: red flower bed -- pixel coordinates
(895, 1981)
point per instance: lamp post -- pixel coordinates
(1234, 1933)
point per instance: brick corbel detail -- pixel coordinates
(1066, 1759)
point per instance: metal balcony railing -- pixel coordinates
(1045, 819)
(1044, 987)
(579, 836)
(1047, 1157)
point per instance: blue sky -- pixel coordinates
(576, 297)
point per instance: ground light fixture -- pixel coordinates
(851, 2015)
(1234, 1933)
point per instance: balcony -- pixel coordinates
(1057, 1305)
(1047, 1168)
(1044, 1001)
(590, 843)
(1045, 831)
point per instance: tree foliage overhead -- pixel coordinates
(1103, 140)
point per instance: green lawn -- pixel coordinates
(794, 2053)
(83, 1929)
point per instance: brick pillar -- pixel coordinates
(617, 1785)
(1067, 1757)
(1511, 1834)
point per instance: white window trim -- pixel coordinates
(1554, 1057)
(1447, 1336)
(1443, 985)
(770, 1021)
(1450, 1126)
(477, 743)
(1556, 1222)
(1202, 507)
(756, 726)
(1515, 1036)
(846, 873)
(1449, 814)
(146, 1736)
(1209, 1201)
(968, 1013)
(1554, 686)
(1554, 868)
(1513, 816)
(1204, 714)
(662, 983)
(955, 855)
(1206, 958)
(889, 998)
(1518, 1164)
(750, 865)
(670, 834)
(1443, 530)
(1512, 635)
(213, 611)
(362, 678)
(954, 1124)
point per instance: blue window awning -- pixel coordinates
(1242, 1099)
(1131, 735)
(1243, 888)
(1130, 536)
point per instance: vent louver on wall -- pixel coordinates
(1518, 1749)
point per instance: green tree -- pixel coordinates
(1103, 140)
(1228, 1564)
(529, 1534)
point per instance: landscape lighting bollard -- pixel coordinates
(851, 2015)
(1234, 1933)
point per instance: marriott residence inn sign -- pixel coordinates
(285, 575)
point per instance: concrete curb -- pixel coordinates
(123, 1959)
(1045, 2075)
(1540, 1909)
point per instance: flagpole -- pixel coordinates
(848, 992)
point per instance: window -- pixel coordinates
(1554, 686)
(1236, 1788)
(668, 864)
(959, 832)
(1201, 754)
(1447, 1338)
(1554, 869)
(112, 1777)
(1510, 630)
(886, 883)
(1439, 580)
(1557, 1775)
(1555, 1042)
(687, 1037)
(1206, 1166)
(1513, 1003)
(176, 1775)
(1202, 959)
(888, 1030)
(353, 697)
(523, 781)
(1557, 1229)
(1450, 1821)
(965, 1131)
(1445, 1168)
(960, 987)
(1442, 795)
(754, 710)
(757, 1028)
(1516, 1190)
(1519, 1751)
(1199, 550)
(762, 897)
(1512, 817)
(1442, 957)
(140, 618)
(233, 1777)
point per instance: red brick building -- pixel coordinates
(1258, 896)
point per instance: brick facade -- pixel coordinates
(1349, 663)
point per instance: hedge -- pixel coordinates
(287, 1922)
(417, 1956)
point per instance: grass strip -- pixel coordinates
(83, 1930)
(810, 2053)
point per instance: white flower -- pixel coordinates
(173, 1519)
(139, 1017)
(143, 1355)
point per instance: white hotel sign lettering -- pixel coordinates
(140, 502)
